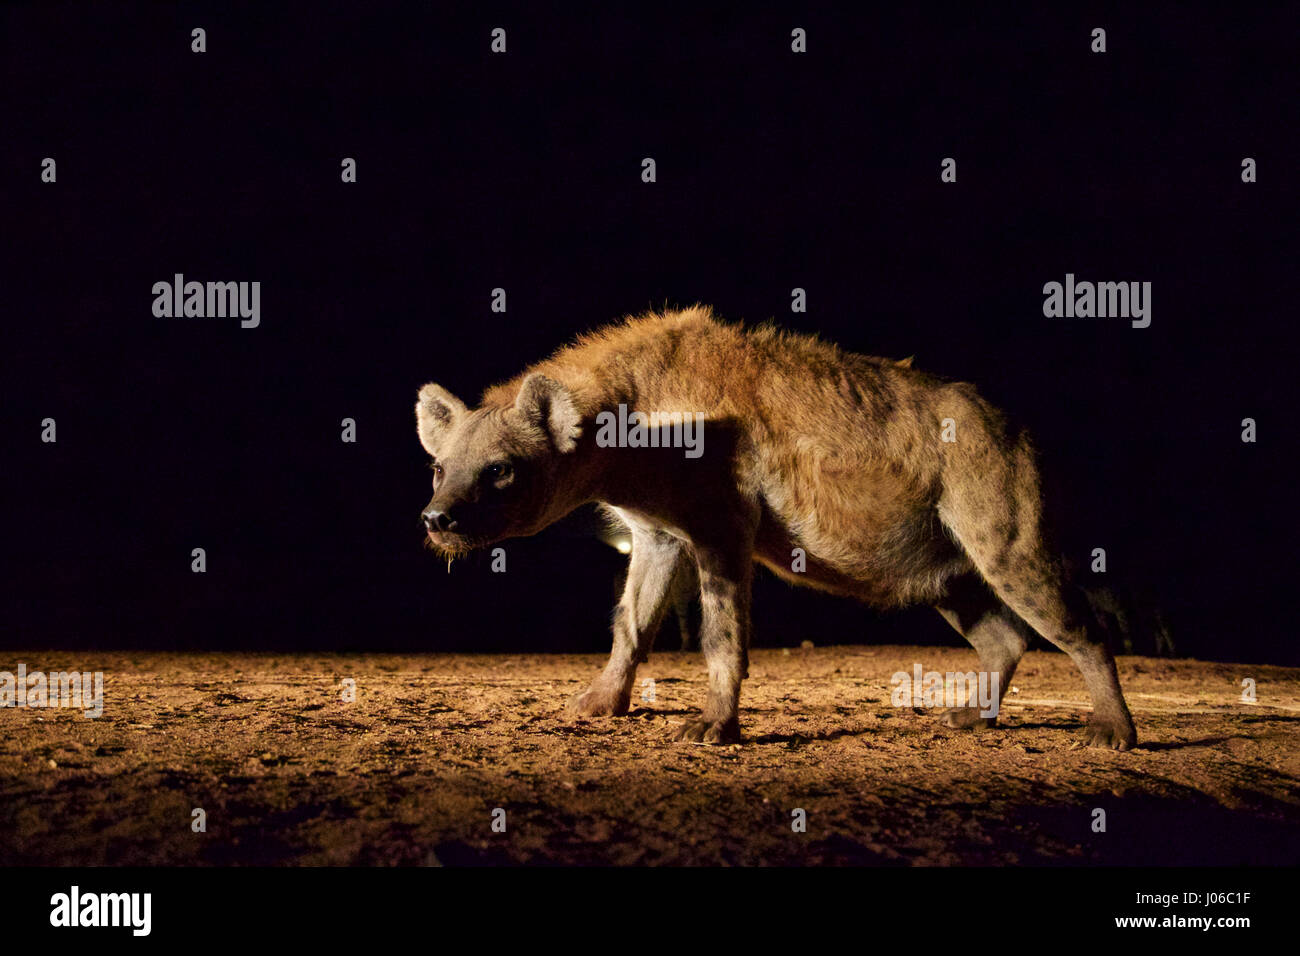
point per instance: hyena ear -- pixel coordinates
(546, 404)
(436, 410)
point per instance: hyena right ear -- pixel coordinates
(548, 406)
(436, 410)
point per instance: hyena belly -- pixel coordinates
(904, 560)
(854, 515)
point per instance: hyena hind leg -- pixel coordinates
(1032, 585)
(1010, 554)
(997, 634)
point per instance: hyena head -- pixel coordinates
(498, 470)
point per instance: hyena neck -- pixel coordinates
(653, 365)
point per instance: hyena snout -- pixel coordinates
(439, 521)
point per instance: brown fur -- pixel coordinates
(806, 447)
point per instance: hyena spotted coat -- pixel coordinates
(805, 446)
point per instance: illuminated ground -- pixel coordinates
(410, 773)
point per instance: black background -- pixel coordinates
(522, 171)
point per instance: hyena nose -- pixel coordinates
(439, 521)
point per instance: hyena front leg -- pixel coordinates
(656, 563)
(993, 629)
(726, 577)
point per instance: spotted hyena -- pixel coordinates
(858, 476)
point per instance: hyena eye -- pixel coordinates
(498, 471)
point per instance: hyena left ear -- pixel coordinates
(436, 410)
(546, 404)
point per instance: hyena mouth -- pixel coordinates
(451, 545)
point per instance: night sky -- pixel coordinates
(775, 170)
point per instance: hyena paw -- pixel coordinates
(965, 718)
(1112, 734)
(599, 700)
(710, 732)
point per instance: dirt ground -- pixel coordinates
(411, 772)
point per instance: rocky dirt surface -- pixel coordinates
(412, 771)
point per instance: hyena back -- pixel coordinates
(859, 476)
